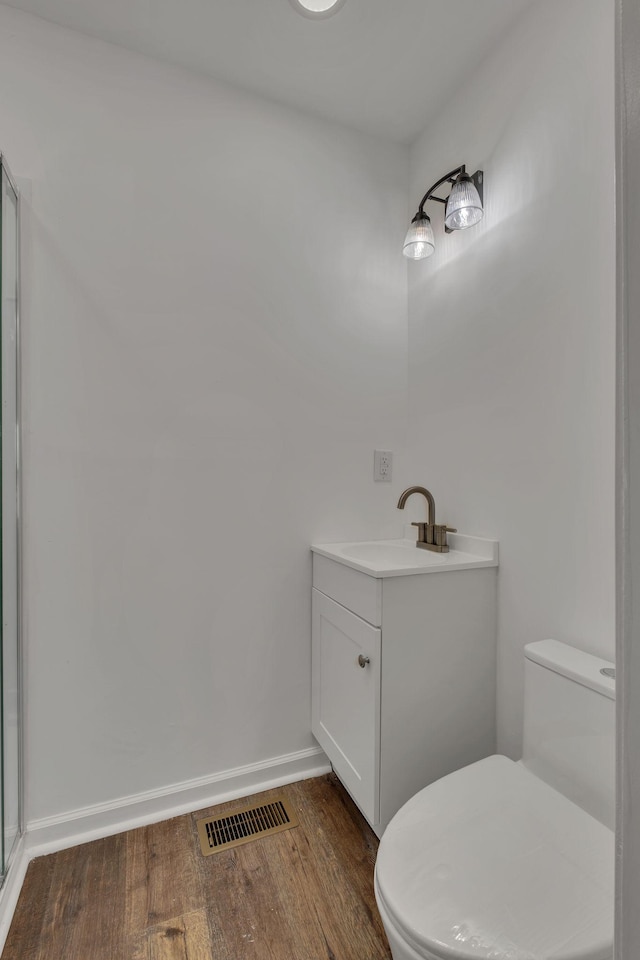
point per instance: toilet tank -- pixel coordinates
(569, 725)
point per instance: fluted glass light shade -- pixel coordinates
(464, 207)
(419, 242)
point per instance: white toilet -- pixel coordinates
(514, 861)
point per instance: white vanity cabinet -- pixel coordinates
(403, 673)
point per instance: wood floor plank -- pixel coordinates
(303, 894)
(76, 928)
(338, 863)
(26, 934)
(181, 938)
(162, 879)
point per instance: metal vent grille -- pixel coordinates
(244, 825)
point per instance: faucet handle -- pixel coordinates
(425, 532)
(440, 531)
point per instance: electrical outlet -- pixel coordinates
(382, 464)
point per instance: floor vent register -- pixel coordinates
(242, 826)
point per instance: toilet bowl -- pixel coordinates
(514, 861)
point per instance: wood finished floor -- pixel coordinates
(149, 894)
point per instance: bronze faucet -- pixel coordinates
(431, 535)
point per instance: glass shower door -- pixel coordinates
(10, 795)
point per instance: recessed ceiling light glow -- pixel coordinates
(317, 8)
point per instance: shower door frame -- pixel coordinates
(8, 856)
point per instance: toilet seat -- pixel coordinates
(490, 862)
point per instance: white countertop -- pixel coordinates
(401, 558)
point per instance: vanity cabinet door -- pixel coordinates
(346, 698)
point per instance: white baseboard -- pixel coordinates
(102, 820)
(105, 819)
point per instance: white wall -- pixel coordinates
(214, 343)
(628, 701)
(512, 333)
(200, 405)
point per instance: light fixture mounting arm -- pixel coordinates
(448, 178)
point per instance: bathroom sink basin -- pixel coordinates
(388, 553)
(398, 558)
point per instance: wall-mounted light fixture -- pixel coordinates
(463, 208)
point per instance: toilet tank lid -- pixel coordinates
(575, 664)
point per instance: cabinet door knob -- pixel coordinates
(363, 661)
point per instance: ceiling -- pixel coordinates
(381, 66)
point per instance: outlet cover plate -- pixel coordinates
(382, 466)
